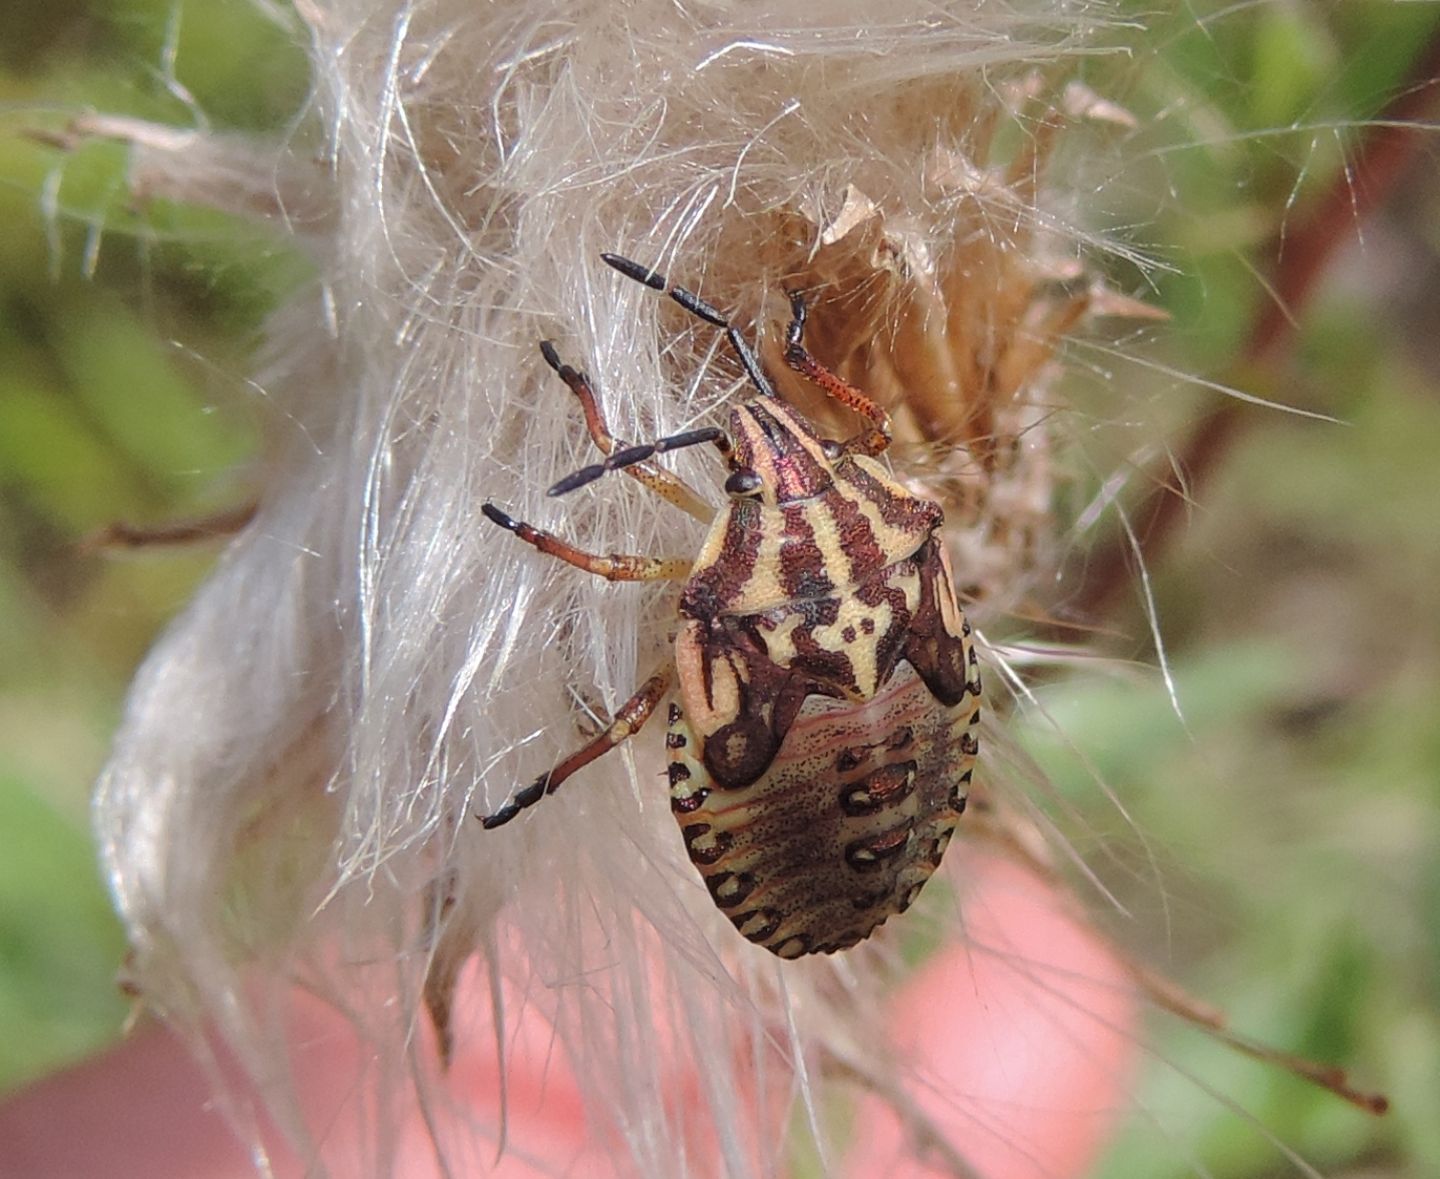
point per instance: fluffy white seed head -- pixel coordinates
(293, 796)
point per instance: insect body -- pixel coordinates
(824, 733)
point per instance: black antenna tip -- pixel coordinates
(641, 274)
(552, 358)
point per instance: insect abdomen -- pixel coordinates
(844, 827)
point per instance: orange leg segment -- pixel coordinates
(611, 566)
(872, 441)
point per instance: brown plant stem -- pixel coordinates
(1023, 845)
(121, 534)
(1390, 145)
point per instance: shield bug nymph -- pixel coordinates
(827, 701)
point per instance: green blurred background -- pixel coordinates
(1297, 819)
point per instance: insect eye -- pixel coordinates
(742, 482)
(831, 449)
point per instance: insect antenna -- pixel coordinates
(697, 306)
(628, 456)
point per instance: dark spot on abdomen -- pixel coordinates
(884, 788)
(729, 889)
(738, 753)
(870, 853)
(704, 844)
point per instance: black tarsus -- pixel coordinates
(496, 516)
(532, 794)
(796, 328)
(552, 358)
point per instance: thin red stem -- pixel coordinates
(1390, 145)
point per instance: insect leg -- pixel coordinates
(611, 566)
(662, 482)
(698, 307)
(872, 441)
(628, 721)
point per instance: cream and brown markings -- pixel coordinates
(826, 728)
(826, 734)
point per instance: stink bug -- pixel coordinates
(825, 729)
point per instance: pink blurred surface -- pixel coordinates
(1018, 1046)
